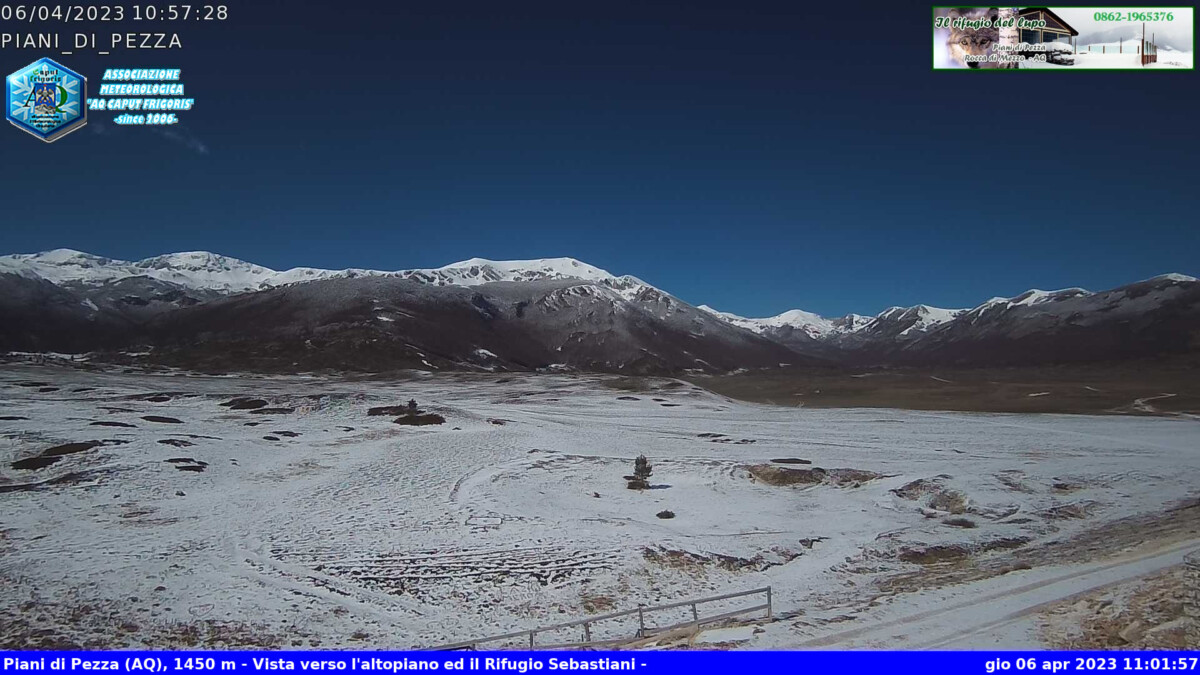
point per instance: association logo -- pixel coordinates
(46, 99)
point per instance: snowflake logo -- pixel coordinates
(46, 99)
(19, 90)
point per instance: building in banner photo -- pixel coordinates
(1056, 30)
(1055, 38)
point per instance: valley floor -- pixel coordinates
(306, 522)
(1154, 387)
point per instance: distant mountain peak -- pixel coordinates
(810, 324)
(922, 311)
(201, 257)
(63, 256)
(1173, 276)
(200, 260)
(547, 263)
(483, 270)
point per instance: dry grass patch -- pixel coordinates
(783, 476)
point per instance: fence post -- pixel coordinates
(587, 632)
(1191, 584)
(531, 634)
(695, 614)
(641, 621)
(768, 602)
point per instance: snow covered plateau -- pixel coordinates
(191, 511)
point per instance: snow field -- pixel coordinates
(337, 528)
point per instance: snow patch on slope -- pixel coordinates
(201, 269)
(477, 271)
(920, 318)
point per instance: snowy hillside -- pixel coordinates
(521, 314)
(193, 270)
(554, 311)
(202, 270)
(1125, 54)
(385, 323)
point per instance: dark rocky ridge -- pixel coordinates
(381, 323)
(375, 324)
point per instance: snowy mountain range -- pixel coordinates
(915, 320)
(204, 271)
(556, 312)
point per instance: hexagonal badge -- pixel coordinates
(46, 99)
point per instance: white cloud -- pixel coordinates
(184, 137)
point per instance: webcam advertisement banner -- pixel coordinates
(1063, 38)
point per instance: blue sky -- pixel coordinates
(757, 157)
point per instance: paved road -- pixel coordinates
(1000, 617)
